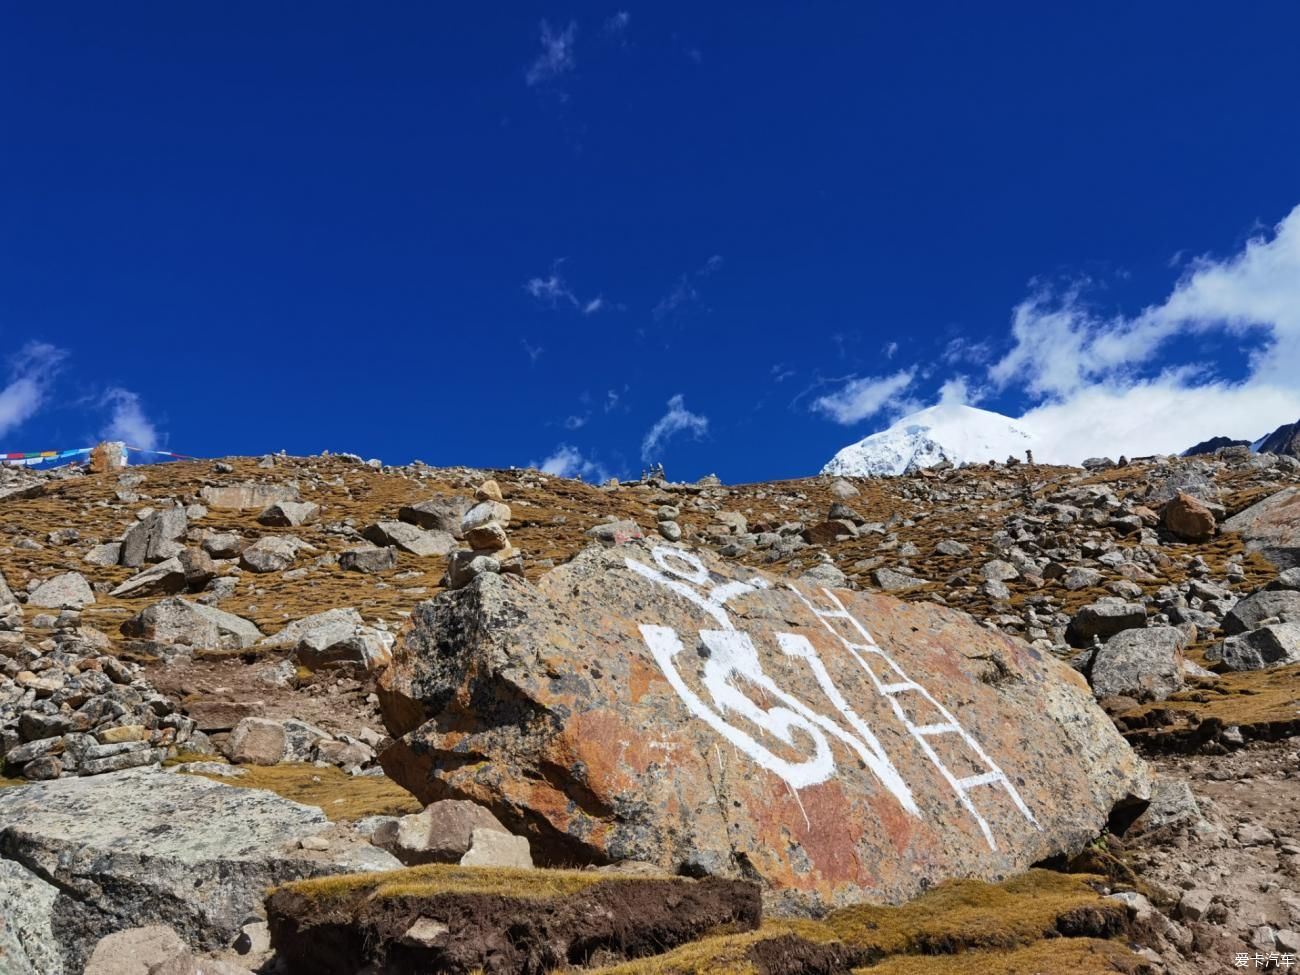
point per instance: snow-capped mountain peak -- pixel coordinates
(947, 432)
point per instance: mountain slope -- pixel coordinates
(1284, 440)
(958, 434)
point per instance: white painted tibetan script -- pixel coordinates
(733, 660)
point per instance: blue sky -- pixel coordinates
(729, 237)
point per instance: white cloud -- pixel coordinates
(863, 396)
(557, 54)
(534, 351)
(677, 419)
(553, 291)
(617, 23)
(891, 350)
(1161, 416)
(684, 292)
(32, 373)
(568, 461)
(575, 422)
(128, 421)
(1091, 373)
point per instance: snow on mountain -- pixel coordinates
(958, 434)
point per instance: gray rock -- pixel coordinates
(7, 597)
(1287, 579)
(368, 559)
(67, 591)
(248, 495)
(891, 581)
(273, 553)
(151, 539)
(257, 741)
(339, 644)
(493, 849)
(149, 847)
(109, 553)
(1272, 528)
(999, 571)
(292, 634)
(440, 833)
(950, 546)
(163, 579)
(224, 545)
(1248, 613)
(1275, 645)
(409, 538)
(615, 532)
(1172, 803)
(27, 945)
(437, 514)
(289, 514)
(1081, 577)
(177, 620)
(826, 574)
(135, 951)
(1145, 663)
(1104, 618)
(670, 530)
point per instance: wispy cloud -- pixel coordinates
(554, 292)
(32, 372)
(861, 397)
(616, 24)
(534, 352)
(568, 461)
(556, 58)
(575, 422)
(685, 291)
(127, 420)
(781, 372)
(678, 419)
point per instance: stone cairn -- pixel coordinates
(484, 530)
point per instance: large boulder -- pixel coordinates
(67, 591)
(408, 538)
(1275, 645)
(1188, 519)
(1143, 663)
(1280, 604)
(179, 621)
(151, 847)
(658, 704)
(439, 514)
(1103, 619)
(153, 539)
(27, 945)
(1272, 528)
(273, 553)
(251, 494)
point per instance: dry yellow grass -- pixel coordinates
(442, 878)
(726, 954)
(961, 915)
(1059, 956)
(340, 796)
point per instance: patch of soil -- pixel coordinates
(429, 928)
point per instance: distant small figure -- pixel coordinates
(1029, 457)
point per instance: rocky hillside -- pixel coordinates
(336, 667)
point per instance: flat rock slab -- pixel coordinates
(151, 847)
(1272, 528)
(251, 494)
(652, 703)
(448, 919)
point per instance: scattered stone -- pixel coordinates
(408, 538)
(441, 514)
(272, 553)
(154, 538)
(135, 951)
(1272, 528)
(256, 741)
(1103, 619)
(247, 495)
(67, 591)
(177, 620)
(1188, 519)
(370, 560)
(289, 514)
(1146, 664)
(491, 848)
(1257, 608)
(443, 832)
(1275, 645)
